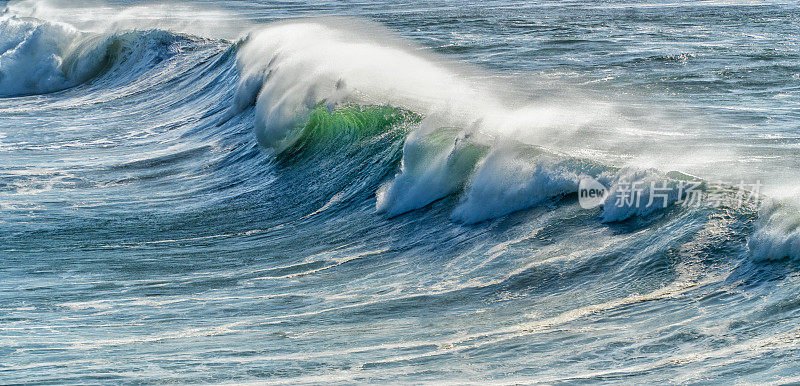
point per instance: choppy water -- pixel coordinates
(231, 192)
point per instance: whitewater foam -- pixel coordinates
(507, 181)
(777, 234)
(434, 165)
(41, 57)
(32, 57)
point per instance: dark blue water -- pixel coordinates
(376, 192)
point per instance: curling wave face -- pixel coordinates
(319, 200)
(40, 57)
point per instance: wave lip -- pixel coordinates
(287, 69)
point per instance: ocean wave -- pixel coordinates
(323, 81)
(289, 68)
(433, 166)
(777, 234)
(32, 57)
(39, 57)
(507, 181)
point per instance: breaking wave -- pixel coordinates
(310, 80)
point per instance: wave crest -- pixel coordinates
(777, 234)
(40, 57)
(33, 54)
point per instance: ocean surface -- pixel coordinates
(242, 191)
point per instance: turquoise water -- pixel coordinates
(378, 192)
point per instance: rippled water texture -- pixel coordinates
(375, 192)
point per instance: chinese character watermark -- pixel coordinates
(660, 194)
